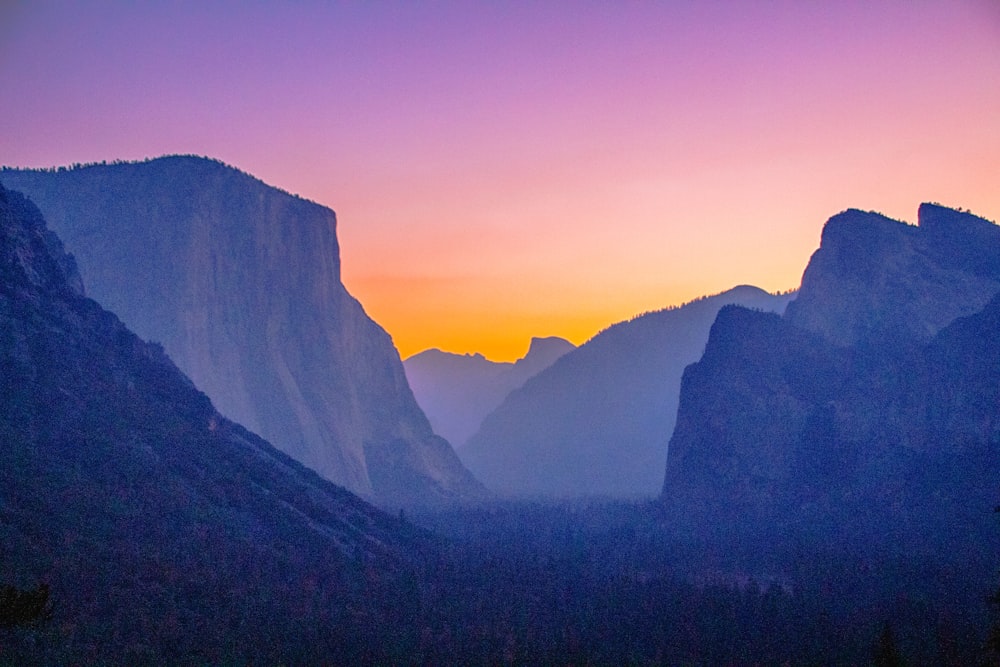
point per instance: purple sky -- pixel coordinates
(502, 170)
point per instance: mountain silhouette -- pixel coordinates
(166, 533)
(456, 391)
(869, 412)
(873, 276)
(240, 283)
(597, 421)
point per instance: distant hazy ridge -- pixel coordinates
(598, 420)
(457, 391)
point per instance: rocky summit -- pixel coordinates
(873, 276)
(240, 283)
(868, 413)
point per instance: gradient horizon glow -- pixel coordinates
(504, 170)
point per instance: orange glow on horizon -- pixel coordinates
(502, 171)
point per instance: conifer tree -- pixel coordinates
(24, 607)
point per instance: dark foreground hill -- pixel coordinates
(457, 391)
(240, 283)
(598, 420)
(869, 414)
(166, 533)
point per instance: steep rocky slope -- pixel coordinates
(457, 391)
(167, 534)
(240, 283)
(597, 421)
(869, 411)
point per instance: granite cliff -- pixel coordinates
(457, 391)
(868, 413)
(166, 533)
(596, 422)
(240, 283)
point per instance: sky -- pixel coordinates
(503, 170)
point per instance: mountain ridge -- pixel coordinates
(598, 419)
(457, 391)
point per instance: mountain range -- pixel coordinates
(596, 422)
(869, 413)
(240, 284)
(165, 532)
(457, 391)
(846, 446)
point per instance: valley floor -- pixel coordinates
(604, 582)
(592, 582)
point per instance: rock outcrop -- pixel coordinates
(873, 276)
(869, 411)
(597, 421)
(457, 391)
(240, 283)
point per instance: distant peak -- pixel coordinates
(856, 228)
(742, 290)
(545, 350)
(436, 355)
(543, 343)
(857, 216)
(537, 341)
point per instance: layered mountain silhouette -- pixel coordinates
(597, 421)
(240, 283)
(166, 533)
(870, 411)
(457, 391)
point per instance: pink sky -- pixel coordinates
(503, 170)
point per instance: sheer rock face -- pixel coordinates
(869, 410)
(598, 420)
(69, 365)
(120, 483)
(240, 283)
(457, 391)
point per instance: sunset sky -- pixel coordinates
(509, 169)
